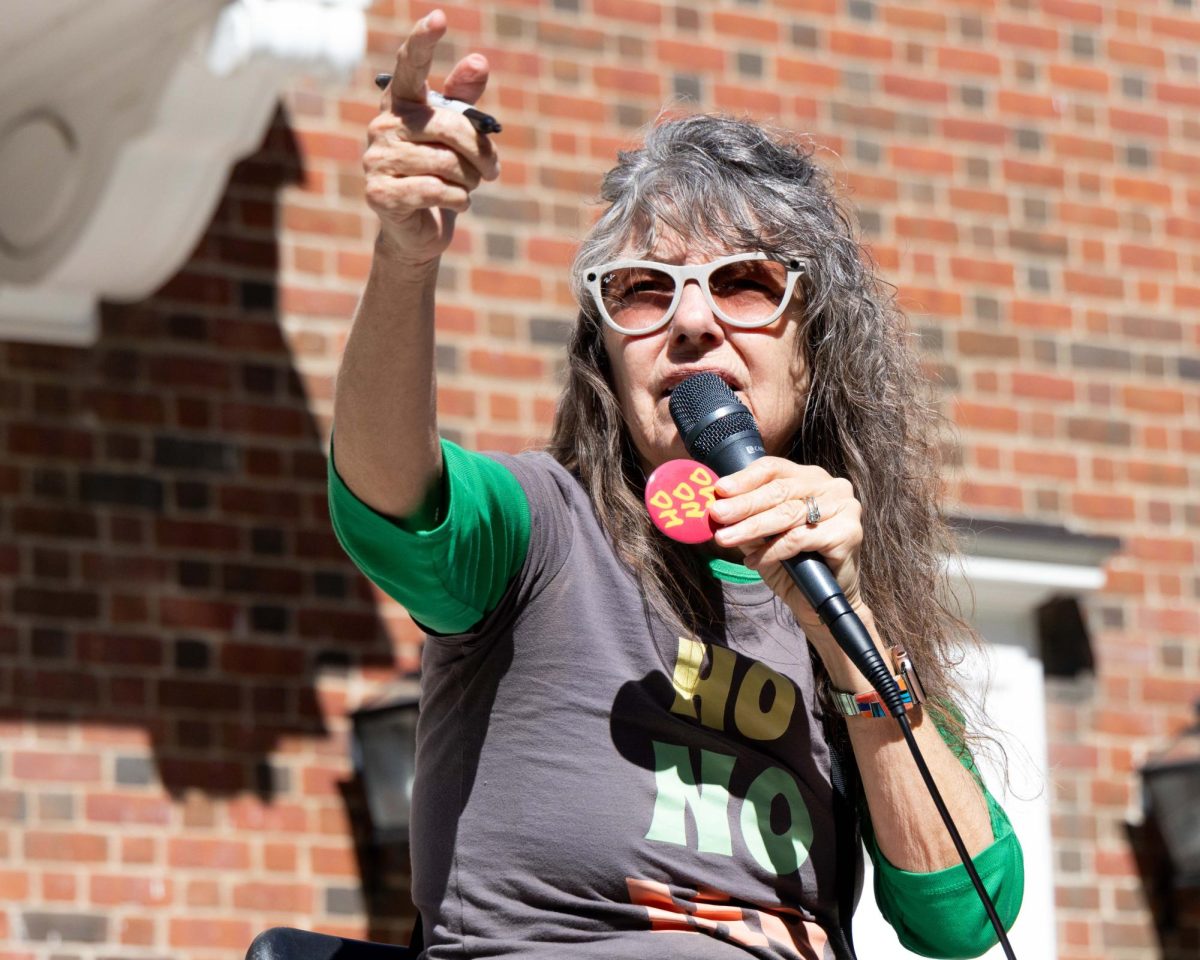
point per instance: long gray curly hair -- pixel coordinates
(866, 413)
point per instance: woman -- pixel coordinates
(627, 747)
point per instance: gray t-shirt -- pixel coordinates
(591, 784)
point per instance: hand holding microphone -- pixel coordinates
(721, 434)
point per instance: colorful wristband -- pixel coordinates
(870, 704)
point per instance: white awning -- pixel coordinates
(118, 126)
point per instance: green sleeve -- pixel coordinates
(451, 573)
(939, 914)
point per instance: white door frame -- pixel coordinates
(1003, 594)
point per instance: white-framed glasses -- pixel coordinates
(745, 290)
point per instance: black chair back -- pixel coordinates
(289, 943)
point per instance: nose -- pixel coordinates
(694, 319)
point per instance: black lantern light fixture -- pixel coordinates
(385, 758)
(1172, 796)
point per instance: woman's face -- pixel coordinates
(762, 365)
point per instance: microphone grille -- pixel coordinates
(696, 397)
(716, 433)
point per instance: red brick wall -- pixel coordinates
(182, 637)
(181, 632)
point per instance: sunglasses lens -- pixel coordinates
(749, 291)
(637, 298)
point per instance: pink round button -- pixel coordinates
(678, 495)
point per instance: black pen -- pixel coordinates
(482, 122)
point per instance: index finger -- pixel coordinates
(414, 58)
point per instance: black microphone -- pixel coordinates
(720, 432)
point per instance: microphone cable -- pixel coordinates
(952, 829)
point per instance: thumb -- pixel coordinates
(468, 79)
